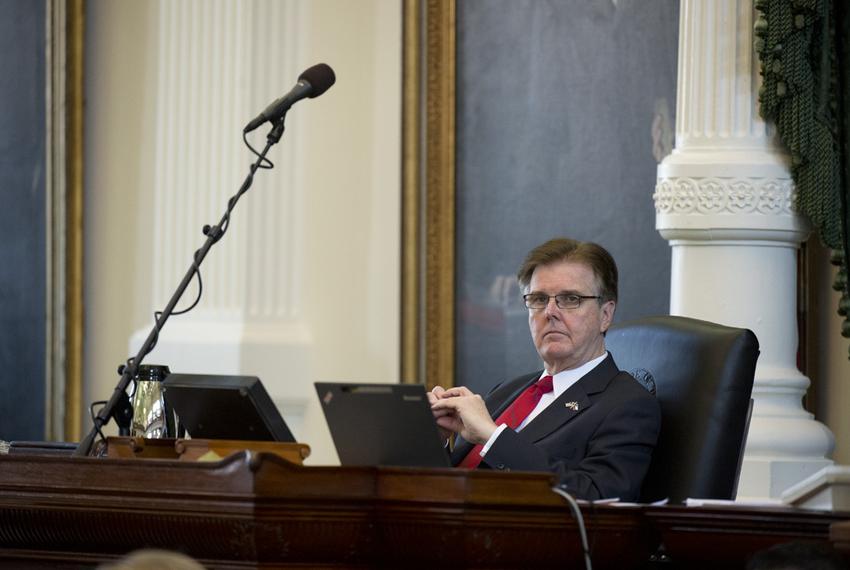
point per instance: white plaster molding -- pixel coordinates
(715, 209)
(717, 195)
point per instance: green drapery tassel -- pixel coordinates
(804, 49)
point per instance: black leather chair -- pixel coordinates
(702, 374)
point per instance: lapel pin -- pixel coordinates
(572, 405)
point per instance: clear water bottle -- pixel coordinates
(152, 417)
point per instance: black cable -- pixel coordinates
(264, 163)
(91, 413)
(579, 522)
(270, 164)
(197, 300)
(219, 231)
(594, 528)
(158, 314)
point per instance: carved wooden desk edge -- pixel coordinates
(200, 449)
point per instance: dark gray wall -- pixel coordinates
(564, 110)
(22, 219)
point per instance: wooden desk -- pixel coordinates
(839, 534)
(725, 537)
(257, 510)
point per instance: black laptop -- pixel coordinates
(225, 407)
(382, 424)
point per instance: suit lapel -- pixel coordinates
(573, 402)
(567, 406)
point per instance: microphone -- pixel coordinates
(312, 83)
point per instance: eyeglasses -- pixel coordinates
(563, 300)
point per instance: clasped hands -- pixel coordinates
(458, 410)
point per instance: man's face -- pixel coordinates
(568, 338)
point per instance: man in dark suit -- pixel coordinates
(581, 418)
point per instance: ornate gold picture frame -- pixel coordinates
(64, 148)
(428, 174)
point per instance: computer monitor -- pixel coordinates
(225, 407)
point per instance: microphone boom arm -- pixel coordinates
(213, 234)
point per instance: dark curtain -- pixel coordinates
(803, 47)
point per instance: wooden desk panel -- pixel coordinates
(253, 510)
(839, 534)
(727, 536)
(257, 510)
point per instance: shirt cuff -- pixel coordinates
(492, 439)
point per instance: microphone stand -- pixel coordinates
(213, 234)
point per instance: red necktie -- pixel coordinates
(513, 415)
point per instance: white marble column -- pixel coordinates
(219, 64)
(724, 200)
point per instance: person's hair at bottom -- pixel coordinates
(153, 559)
(797, 556)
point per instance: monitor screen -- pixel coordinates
(225, 407)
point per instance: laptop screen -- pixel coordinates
(225, 407)
(382, 424)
